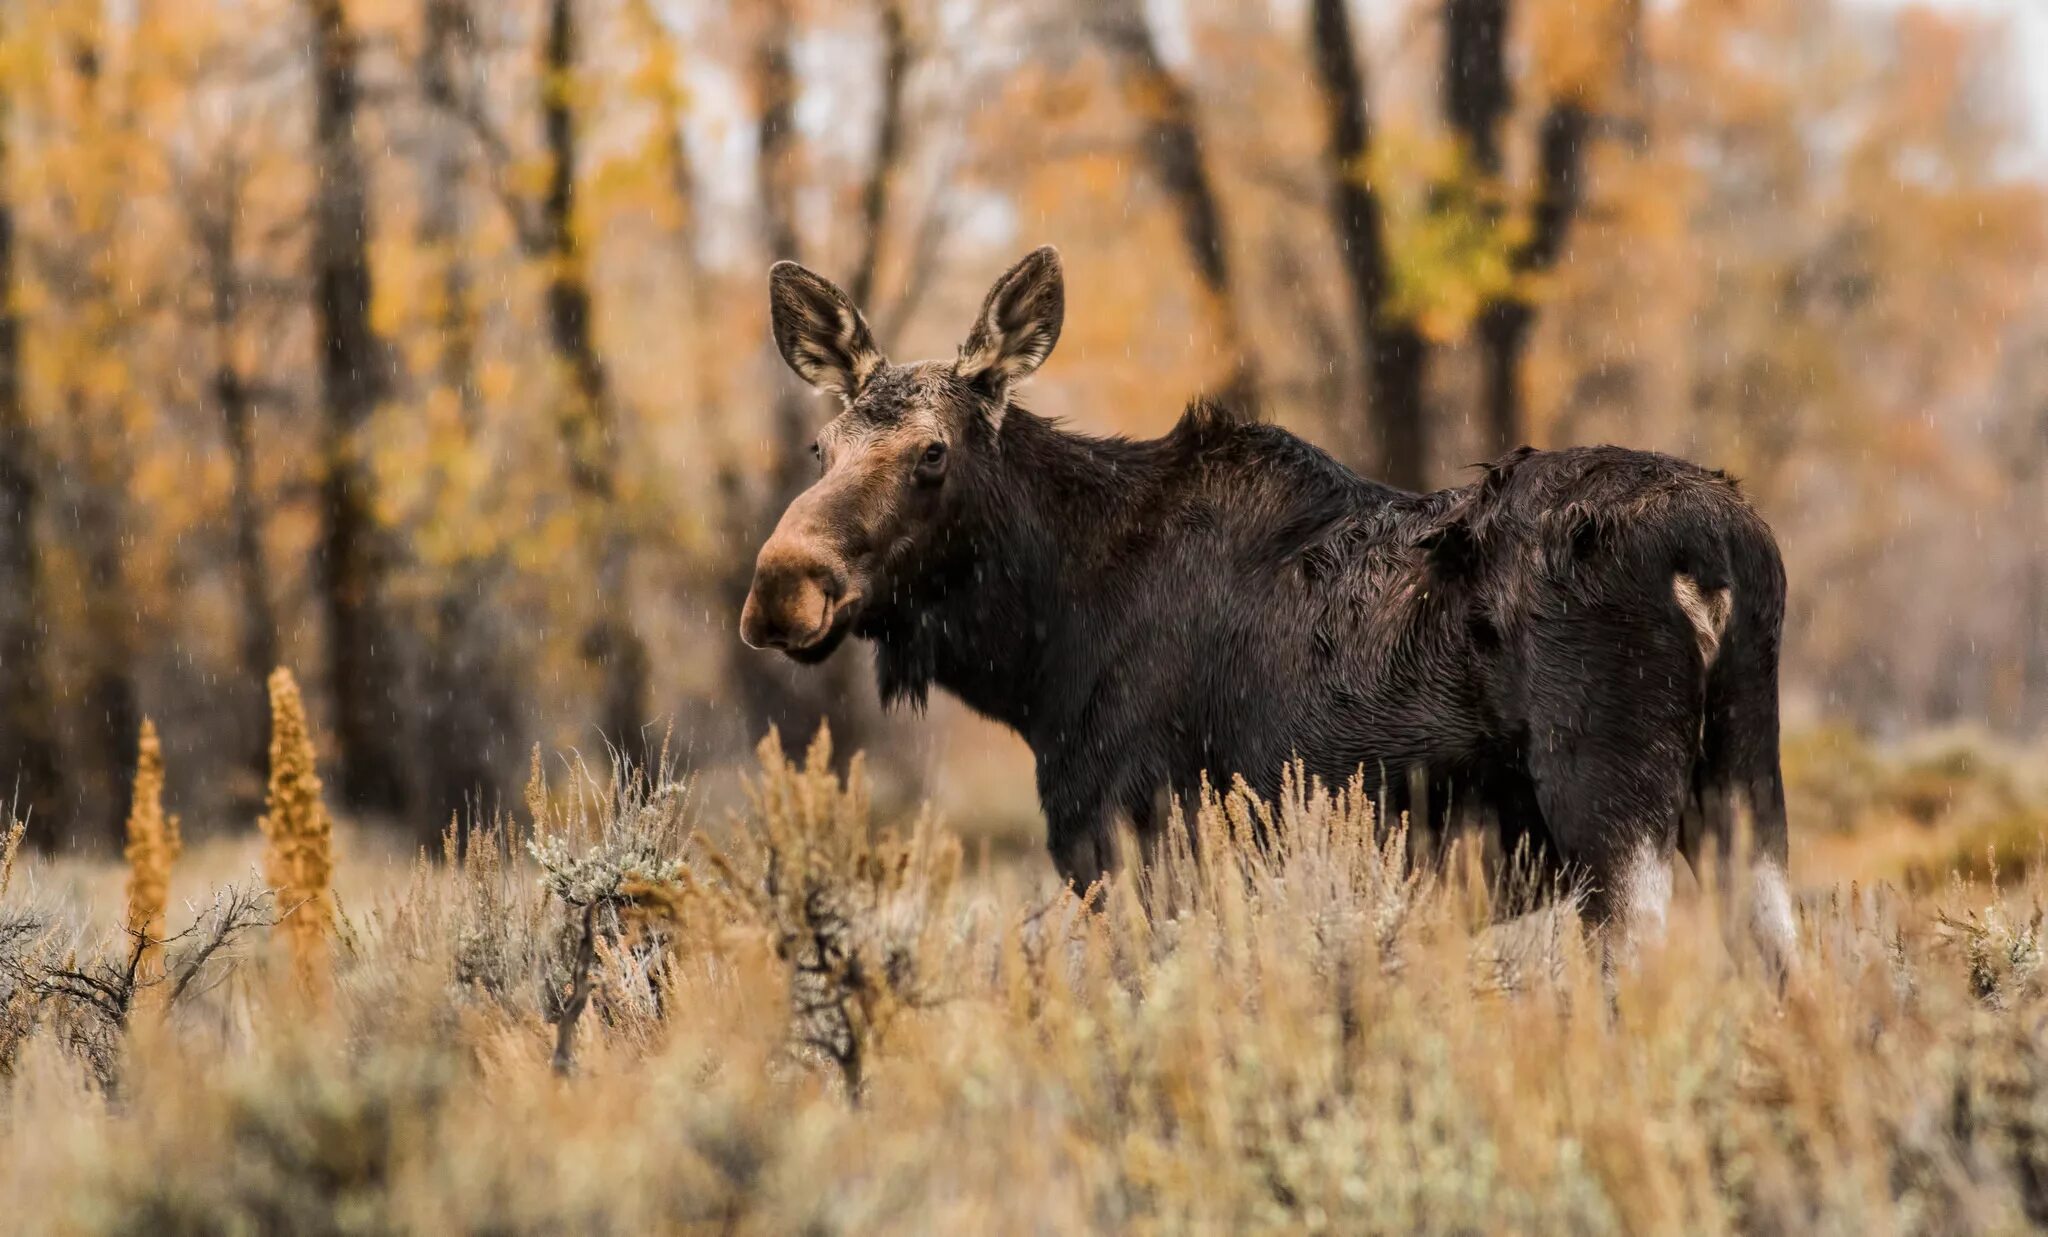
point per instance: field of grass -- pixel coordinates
(615, 1013)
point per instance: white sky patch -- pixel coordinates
(2027, 23)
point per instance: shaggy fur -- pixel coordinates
(1580, 648)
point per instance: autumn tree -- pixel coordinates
(28, 738)
(588, 416)
(236, 287)
(549, 229)
(886, 161)
(467, 710)
(215, 207)
(1392, 350)
(82, 264)
(773, 693)
(1478, 96)
(1171, 141)
(354, 560)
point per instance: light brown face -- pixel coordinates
(882, 469)
(889, 462)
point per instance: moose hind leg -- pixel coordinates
(1614, 716)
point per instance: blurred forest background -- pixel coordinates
(421, 345)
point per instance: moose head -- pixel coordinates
(894, 466)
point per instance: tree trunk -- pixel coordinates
(258, 642)
(1477, 98)
(772, 691)
(2033, 601)
(587, 417)
(888, 154)
(1394, 353)
(1476, 91)
(466, 703)
(215, 218)
(353, 560)
(1172, 144)
(1506, 322)
(449, 28)
(705, 356)
(30, 775)
(111, 715)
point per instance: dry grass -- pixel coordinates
(616, 1016)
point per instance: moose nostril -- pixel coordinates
(793, 598)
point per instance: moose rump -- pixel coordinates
(1622, 613)
(1579, 648)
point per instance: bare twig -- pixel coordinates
(579, 993)
(234, 911)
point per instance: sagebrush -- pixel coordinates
(620, 1014)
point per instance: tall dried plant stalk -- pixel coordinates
(10, 846)
(299, 860)
(153, 842)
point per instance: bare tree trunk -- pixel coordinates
(111, 713)
(361, 672)
(1394, 353)
(1172, 144)
(214, 214)
(705, 331)
(772, 692)
(587, 419)
(1477, 98)
(466, 707)
(258, 642)
(1476, 91)
(888, 156)
(30, 776)
(449, 30)
(2033, 481)
(1505, 323)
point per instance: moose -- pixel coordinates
(1579, 647)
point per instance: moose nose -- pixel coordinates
(791, 602)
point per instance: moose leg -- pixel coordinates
(1079, 833)
(1081, 855)
(1614, 716)
(1737, 829)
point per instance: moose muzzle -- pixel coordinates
(796, 596)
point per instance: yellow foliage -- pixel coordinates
(1578, 46)
(1450, 243)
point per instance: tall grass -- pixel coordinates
(799, 1018)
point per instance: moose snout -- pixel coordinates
(792, 601)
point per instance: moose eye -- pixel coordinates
(934, 453)
(932, 464)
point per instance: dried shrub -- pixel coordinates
(611, 849)
(87, 1002)
(153, 839)
(858, 916)
(1281, 1027)
(299, 858)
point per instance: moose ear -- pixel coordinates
(820, 333)
(1019, 324)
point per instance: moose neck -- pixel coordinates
(1041, 524)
